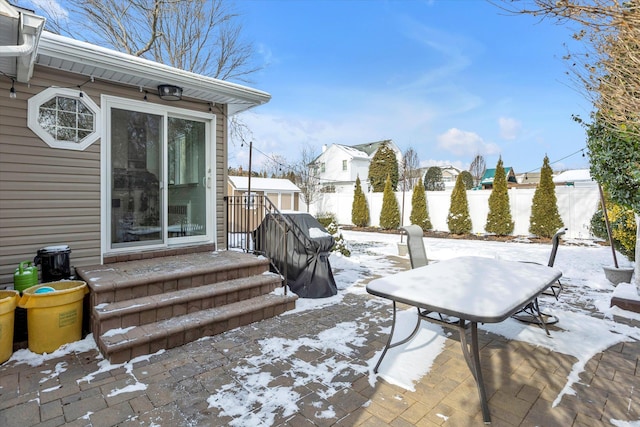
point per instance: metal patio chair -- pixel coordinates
(531, 313)
(415, 245)
(556, 288)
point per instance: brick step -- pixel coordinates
(119, 346)
(123, 281)
(153, 308)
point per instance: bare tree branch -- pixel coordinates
(410, 173)
(202, 36)
(608, 67)
(477, 168)
(306, 176)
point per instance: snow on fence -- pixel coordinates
(576, 205)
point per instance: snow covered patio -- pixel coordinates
(314, 365)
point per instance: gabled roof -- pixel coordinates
(359, 151)
(263, 184)
(353, 152)
(371, 147)
(64, 53)
(489, 174)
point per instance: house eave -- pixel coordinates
(83, 58)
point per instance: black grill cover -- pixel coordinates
(308, 270)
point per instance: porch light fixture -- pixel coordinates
(170, 92)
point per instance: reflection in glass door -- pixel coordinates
(136, 169)
(187, 169)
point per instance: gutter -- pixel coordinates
(29, 31)
(27, 47)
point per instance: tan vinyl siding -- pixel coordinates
(285, 202)
(275, 199)
(51, 196)
(221, 176)
(47, 196)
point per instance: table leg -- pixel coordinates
(472, 357)
(393, 327)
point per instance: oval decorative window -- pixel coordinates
(63, 118)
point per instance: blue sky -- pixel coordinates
(449, 78)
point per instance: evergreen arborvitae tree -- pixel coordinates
(499, 219)
(433, 179)
(390, 213)
(545, 218)
(419, 210)
(359, 208)
(459, 220)
(383, 164)
(467, 178)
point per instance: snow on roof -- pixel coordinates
(263, 184)
(573, 176)
(354, 152)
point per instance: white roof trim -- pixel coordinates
(241, 183)
(91, 60)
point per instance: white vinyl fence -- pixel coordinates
(576, 205)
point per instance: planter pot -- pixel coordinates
(402, 249)
(618, 275)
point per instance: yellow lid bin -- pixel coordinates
(8, 301)
(54, 314)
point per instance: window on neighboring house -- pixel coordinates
(344, 165)
(322, 168)
(64, 119)
(328, 188)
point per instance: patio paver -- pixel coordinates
(522, 382)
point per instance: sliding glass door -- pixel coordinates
(160, 178)
(188, 180)
(136, 177)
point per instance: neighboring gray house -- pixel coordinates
(339, 165)
(102, 151)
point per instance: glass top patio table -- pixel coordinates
(472, 289)
(477, 289)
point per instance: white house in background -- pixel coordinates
(338, 167)
(284, 194)
(574, 177)
(449, 174)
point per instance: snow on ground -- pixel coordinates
(581, 335)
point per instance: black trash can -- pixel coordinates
(55, 263)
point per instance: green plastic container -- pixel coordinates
(25, 276)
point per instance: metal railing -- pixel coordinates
(247, 230)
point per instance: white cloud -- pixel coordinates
(464, 143)
(335, 115)
(51, 7)
(509, 128)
